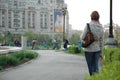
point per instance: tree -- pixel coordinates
(74, 39)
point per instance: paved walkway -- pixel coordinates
(50, 65)
(8, 49)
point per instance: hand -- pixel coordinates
(100, 57)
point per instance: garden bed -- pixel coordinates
(16, 58)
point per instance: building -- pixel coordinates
(37, 16)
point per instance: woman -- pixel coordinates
(94, 51)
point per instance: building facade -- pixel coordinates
(37, 16)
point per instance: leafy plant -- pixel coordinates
(8, 60)
(109, 72)
(31, 55)
(16, 58)
(11, 60)
(20, 55)
(74, 49)
(3, 60)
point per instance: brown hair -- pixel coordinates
(95, 16)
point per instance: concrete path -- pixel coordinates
(50, 65)
(8, 49)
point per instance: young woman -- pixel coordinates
(94, 51)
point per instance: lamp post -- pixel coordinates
(111, 42)
(111, 26)
(64, 13)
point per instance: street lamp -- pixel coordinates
(111, 42)
(64, 13)
(111, 26)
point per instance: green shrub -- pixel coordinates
(118, 43)
(111, 71)
(1, 67)
(116, 55)
(19, 55)
(11, 60)
(73, 49)
(16, 58)
(8, 60)
(25, 54)
(3, 60)
(31, 55)
(112, 54)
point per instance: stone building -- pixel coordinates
(37, 16)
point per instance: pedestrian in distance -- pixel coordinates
(44, 44)
(17, 43)
(33, 44)
(79, 46)
(65, 44)
(55, 44)
(95, 50)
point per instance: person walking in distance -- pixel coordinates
(94, 51)
(55, 44)
(66, 42)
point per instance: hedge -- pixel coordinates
(16, 58)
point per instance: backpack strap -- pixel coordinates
(88, 26)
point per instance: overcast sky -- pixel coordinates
(80, 10)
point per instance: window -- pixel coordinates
(9, 24)
(23, 19)
(5, 1)
(33, 15)
(45, 15)
(51, 18)
(10, 2)
(43, 20)
(3, 12)
(51, 23)
(9, 12)
(3, 18)
(15, 3)
(3, 24)
(41, 25)
(44, 1)
(59, 1)
(41, 15)
(39, 1)
(51, 1)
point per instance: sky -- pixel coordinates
(80, 10)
